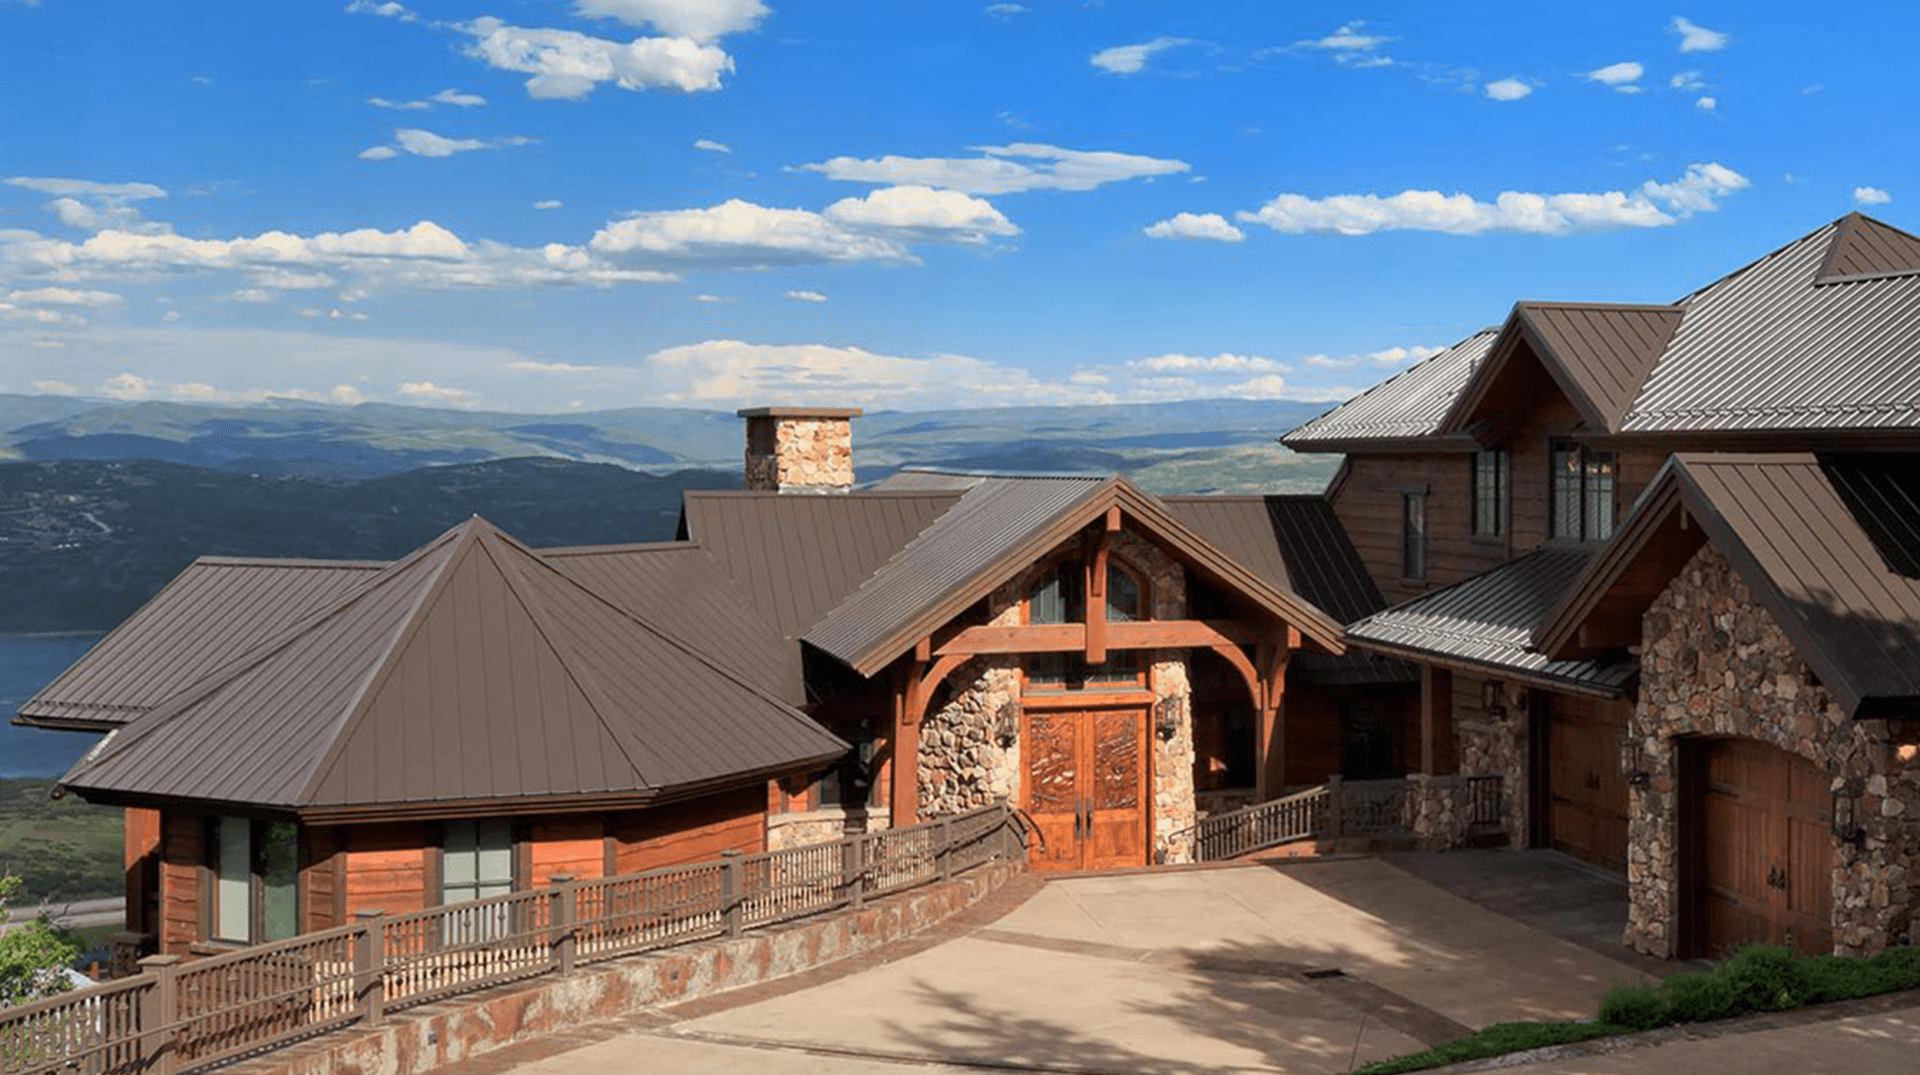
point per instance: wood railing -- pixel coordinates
(178, 1016)
(1344, 809)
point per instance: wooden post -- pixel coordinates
(1096, 591)
(733, 889)
(1333, 812)
(944, 856)
(1436, 720)
(369, 967)
(1006, 836)
(562, 928)
(159, 1010)
(853, 869)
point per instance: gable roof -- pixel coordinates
(796, 556)
(1598, 354)
(999, 527)
(1406, 407)
(417, 689)
(214, 610)
(1296, 543)
(1851, 611)
(1485, 623)
(1820, 335)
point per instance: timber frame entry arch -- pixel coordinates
(1256, 647)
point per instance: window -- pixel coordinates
(1581, 502)
(476, 859)
(1060, 597)
(1490, 492)
(1413, 535)
(1071, 672)
(256, 873)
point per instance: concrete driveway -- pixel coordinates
(1310, 967)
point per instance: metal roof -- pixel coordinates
(1867, 247)
(794, 557)
(1407, 405)
(214, 610)
(1487, 621)
(469, 672)
(1604, 351)
(1297, 543)
(1773, 348)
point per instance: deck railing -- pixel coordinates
(1346, 809)
(178, 1016)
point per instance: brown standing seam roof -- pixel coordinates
(1408, 405)
(1000, 527)
(1867, 247)
(1605, 352)
(470, 671)
(796, 556)
(214, 610)
(1793, 538)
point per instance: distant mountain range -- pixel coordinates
(105, 501)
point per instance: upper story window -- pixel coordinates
(1490, 484)
(1060, 595)
(256, 869)
(1413, 535)
(1581, 499)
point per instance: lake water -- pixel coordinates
(28, 663)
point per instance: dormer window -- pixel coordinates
(1581, 500)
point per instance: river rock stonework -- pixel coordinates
(800, 455)
(1496, 745)
(1714, 662)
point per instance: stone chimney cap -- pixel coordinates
(800, 412)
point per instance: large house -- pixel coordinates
(1660, 567)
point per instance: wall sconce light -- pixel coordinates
(1630, 763)
(1166, 715)
(1006, 722)
(1845, 828)
(1490, 700)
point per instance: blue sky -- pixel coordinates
(577, 204)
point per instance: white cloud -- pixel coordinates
(127, 386)
(446, 97)
(806, 296)
(62, 296)
(427, 390)
(1698, 38)
(412, 106)
(1132, 59)
(701, 20)
(569, 65)
(1220, 363)
(56, 388)
(170, 317)
(1622, 76)
(1651, 205)
(1508, 89)
(916, 212)
(549, 367)
(424, 143)
(734, 372)
(712, 146)
(1005, 169)
(1005, 11)
(742, 233)
(283, 280)
(1688, 81)
(253, 295)
(1871, 196)
(1351, 46)
(547, 203)
(88, 188)
(711, 298)
(1196, 226)
(379, 153)
(390, 10)
(1707, 104)
(87, 205)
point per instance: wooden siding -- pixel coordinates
(575, 845)
(690, 831)
(183, 881)
(141, 834)
(321, 892)
(387, 867)
(1369, 508)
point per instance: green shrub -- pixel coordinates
(1697, 998)
(1765, 978)
(1901, 965)
(1641, 1006)
(1496, 1040)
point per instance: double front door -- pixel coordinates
(1086, 777)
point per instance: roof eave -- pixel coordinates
(1490, 669)
(1423, 442)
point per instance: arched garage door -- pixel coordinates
(1760, 855)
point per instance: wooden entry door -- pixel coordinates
(1586, 793)
(1086, 787)
(1764, 849)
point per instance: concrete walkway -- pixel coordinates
(1309, 967)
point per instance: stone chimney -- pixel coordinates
(800, 449)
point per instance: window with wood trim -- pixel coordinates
(255, 870)
(1059, 596)
(1582, 492)
(476, 858)
(1413, 536)
(1490, 485)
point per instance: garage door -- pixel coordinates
(1586, 795)
(1765, 853)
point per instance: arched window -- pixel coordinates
(1059, 596)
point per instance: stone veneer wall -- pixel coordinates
(1715, 662)
(1488, 746)
(963, 763)
(825, 825)
(809, 455)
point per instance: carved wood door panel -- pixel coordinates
(1086, 787)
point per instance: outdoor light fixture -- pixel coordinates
(1630, 764)
(1006, 721)
(1166, 715)
(1490, 702)
(1845, 829)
